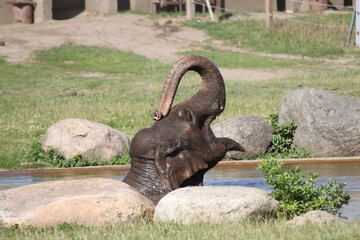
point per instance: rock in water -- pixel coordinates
(95, 201)
(214, 204)
(251, 132)
(328, 125)
(89, 139)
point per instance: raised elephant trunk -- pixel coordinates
(180, 147)
(213, 88)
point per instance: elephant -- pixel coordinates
(180, 147)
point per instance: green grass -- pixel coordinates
(230, 59)
(144, 230)
(36, 95)
(122, 90)
(261, 98)
(286, 37)
(331, 19)
(97, 59)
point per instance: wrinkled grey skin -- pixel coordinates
(180, 147)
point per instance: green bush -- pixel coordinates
(37, 156)
(298, 195)
(282, 140)
(283, 134)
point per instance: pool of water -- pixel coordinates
(237, 175)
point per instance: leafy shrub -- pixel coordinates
(282, 134)
(52, 156)
(298, 195)
(282, 140)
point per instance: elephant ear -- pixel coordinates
(184, 114)
(183, 168)
(175, 168)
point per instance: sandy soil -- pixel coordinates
(155, 39)
(126, 32)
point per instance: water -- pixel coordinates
(237, 175)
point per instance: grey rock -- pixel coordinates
(214, 204)
(89, 139)
(314, 217)
(94, 202)
(328, 125)
(253, 133)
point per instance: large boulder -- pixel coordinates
(96, 202)
(314, 217)
(89, 139)
(214, 204)
(253, 133)
(328, 125)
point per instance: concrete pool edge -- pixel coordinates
(74, 170)
(293, 161)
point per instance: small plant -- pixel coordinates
(52, 156)
(37, 155)
(282, 140)
(298, 195)
(282, 134)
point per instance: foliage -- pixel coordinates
(298, 195)
(282, 134)
(282, 140)
(52, 156)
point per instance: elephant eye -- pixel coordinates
(174, 153)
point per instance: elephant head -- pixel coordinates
(180, 147)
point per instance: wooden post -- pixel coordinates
(357, 20)
(219, 7)
(190, 9)
(269, 13)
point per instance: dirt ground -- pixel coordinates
(135, 33)
(155, 39)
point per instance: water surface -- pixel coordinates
(237, 175)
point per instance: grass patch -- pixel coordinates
(340, 20)
(287, 37)
(36, 95)
(97, 59)
(245, 60)
(260, 98)
(44, 91)
(145, 230)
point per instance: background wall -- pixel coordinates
(6, 14)
(102, 6)
(246, 5)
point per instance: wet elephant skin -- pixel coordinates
(180, 147)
